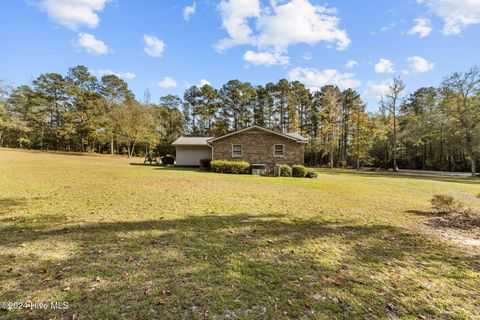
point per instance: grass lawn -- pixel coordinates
(118, 241)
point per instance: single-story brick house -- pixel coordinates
(256, 145)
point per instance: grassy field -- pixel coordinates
(121, 241)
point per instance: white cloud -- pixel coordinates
(189, 11)
(125, 75)
(167, 82)
(384, 66)
(265, 58)
(153, 46)
(73, 13)
(420, 64)
(350, 64)
(456, 14)
(376, 90)
(203, 82)
(279, 26)
(315, 79)
(91, 44)
(422, 27)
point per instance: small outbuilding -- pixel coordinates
(190, 150)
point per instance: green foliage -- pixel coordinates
(205, 163)
(285, 170)
(299, 171)
(432, 128)
(447, 204)
(135, 124)
(225, 166)
(311, 174)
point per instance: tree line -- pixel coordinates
(431, 128)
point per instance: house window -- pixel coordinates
(237, 150)
(278, 150)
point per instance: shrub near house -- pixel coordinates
(225, 166)
(243, 167)
(299, 171)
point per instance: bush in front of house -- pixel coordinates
(168, 159)
(447, 204)
(234, 167)
(285, 170)
(311, 174)
(299, 171)
(205, 163)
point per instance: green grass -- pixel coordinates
(118, 241)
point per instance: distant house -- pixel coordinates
(254, 144)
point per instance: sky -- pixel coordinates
(166, 46)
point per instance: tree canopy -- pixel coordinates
(431, 128)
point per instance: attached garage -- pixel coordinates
(190, 150)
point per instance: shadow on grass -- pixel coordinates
(231, 266)
(172, 168)
(10, 203)
(423, 213)
(399, 175)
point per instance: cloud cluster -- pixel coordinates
(73, 13)
(376, 90)
(384, 66)
(189, 11)
(314, 79)
(278, 26)
(153, 46)
(351, 64)
(167, 82)
(422, 27)
(265, 58)
(420, 64)
(202, 83)
(125, 75)
(456, 14)
(91, 44)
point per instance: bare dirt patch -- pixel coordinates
(458, 228)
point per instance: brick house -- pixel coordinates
(256, 145)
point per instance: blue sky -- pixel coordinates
(166, 46)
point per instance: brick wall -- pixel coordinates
(258, 148)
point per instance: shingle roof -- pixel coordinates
(191, 141)
(293, 136)
(203, 141)
(296, 136)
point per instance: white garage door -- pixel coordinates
(191, 155)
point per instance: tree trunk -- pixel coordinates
(474, 166)
(395, 168)
(111, 147)
(41, 138)
(331, 156)
(131, 150)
